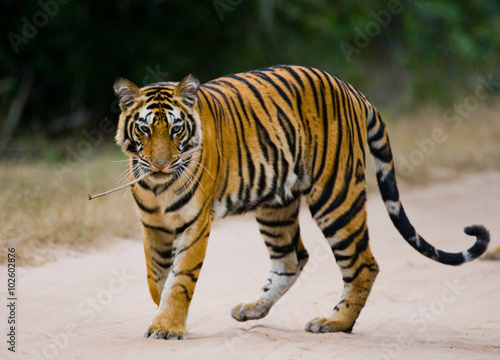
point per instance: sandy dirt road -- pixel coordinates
(97, 305)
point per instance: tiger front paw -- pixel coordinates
(157, 331)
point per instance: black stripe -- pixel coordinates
(295, 75)
(378, 135)
(331, 182)
(126, 132)
(290, 85)
(165, 254)
(271, 192)
(207, 102)
(144, 185)
(189, 273)
(157, 228)
(257, 77)
(358, 133)
(278, 88)
(349, 279)
(344, 244)
(337, 98)
(383, 154)
(143, 207)
(154, 105)
(327, 190)
(244, 188)
(324, 117)
(239, 97)
(360, 171)
(183, 200)
(254, 90)
(275, 223)
(158, 275)
(201, 236)
(361, 246)
(182, 228)
(261, 185)
(345, 188)
(341, 257)
(299, 164)
(388, 186)
(233, 118)
(283, 273)
(163, 263)
(271, 235)
(185, 292)
(344, 219)
(160, 189)
(313, 88)
(287, 127)
(155, 278)
(225, 185)
(264, 138)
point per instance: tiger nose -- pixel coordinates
(160, 165)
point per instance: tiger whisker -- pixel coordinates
(189, 178)
(203, 166)
(188, 181)
(132, 169)
(126, 173)
(123, 176)
(193, 177)
(143, 162)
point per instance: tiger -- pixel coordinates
(260, 141)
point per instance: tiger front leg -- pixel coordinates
(158, 248)
(169, 321)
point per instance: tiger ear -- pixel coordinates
(127, 93)
(186, 91)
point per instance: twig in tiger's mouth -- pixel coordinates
(121, 187)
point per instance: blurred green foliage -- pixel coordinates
(396, 52)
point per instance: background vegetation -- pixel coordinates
(420, 62)
(67, 59)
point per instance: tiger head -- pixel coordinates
(159, 127)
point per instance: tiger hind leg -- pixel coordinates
(280, 229)
(347, 235)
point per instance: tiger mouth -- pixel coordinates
(168, 174)
(160, 175)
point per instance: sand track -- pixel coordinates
(97, 305)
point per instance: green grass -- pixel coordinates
(44, 208)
